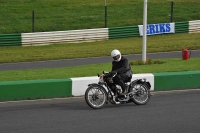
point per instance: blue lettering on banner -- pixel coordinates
(168, 28)
(162, 28)
(158, 28)
(153, 29)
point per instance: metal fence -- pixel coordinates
(194, 26)
(86, 35)
(71, 36)
(10, 39)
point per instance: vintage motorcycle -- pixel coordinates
(99, 94)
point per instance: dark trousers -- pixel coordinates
(120, 79)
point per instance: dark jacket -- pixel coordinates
(122, 66)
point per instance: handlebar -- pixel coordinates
(105, 72)
(114, 75)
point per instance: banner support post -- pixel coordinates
(144, 32)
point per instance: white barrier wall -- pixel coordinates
(194, 26)
(74, 36)
(71, 36)
(79, 85)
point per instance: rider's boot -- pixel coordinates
(123, 86)
(115, 99)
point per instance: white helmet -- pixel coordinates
(116, 55)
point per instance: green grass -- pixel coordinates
(158, 43)
(59, 15)
(169, 65)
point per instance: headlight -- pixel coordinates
(101, 79)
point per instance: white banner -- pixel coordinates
(153, 29)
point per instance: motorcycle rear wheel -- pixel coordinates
(141, 95)
(96, 96)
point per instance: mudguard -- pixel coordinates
(142, 81)
(94, 84)
(97, 85)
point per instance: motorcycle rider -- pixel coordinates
(121, 66)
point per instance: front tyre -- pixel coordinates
(141, 94)
(95, 96)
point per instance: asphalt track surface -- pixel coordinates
(166, 112)
(86, 61)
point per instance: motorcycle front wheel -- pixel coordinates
(141, 94)
(96, 96)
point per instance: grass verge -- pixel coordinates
(168, 65)
(157, 43)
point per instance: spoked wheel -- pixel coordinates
(141, 94)
(95, 97)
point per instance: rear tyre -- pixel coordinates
(96, 96)
(141, 94)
